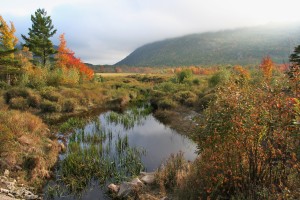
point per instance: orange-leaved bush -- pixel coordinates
(248, 144)
(266, 67)
(66, 59)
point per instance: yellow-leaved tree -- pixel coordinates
(266, 67)
(8, 40)
(8, 65)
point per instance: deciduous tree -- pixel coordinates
(66, 59)
(8, 65)
(8, 40)
(266, 67)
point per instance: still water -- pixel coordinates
(119, 145)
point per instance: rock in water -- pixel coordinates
(126, 189)
(62, 147)
(137, 182)
(113, 188)
(149, 178)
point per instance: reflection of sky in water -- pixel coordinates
(158, 140)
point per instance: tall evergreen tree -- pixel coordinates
(41, 31)
(294, 71)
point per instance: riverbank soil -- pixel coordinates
(182, 119)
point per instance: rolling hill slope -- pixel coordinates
(240, 46)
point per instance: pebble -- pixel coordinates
(14, 191)
(6, 173)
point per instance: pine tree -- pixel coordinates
(294, 69)
(41, 31)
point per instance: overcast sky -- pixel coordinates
(106, 31)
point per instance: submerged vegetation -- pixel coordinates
(130, 117)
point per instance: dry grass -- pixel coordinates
(25, 143)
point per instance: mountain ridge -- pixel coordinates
(236, 46)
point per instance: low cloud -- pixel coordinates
(103, 32)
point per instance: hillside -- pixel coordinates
(240, 46)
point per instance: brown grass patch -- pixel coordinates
(25, 143)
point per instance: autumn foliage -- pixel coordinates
(7, 37)
(249, 145)
(266, 67)
(66, 59)
(241, 72)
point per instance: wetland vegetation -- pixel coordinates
(113, 147)
(244, 123)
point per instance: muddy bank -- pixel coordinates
(182, 119)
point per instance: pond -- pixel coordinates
(112, 147)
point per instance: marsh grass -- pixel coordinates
(130, 117)
(71, 123)
(97, 152)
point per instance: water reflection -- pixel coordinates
(116, 143)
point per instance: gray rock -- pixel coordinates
(113, 188)
(137, 182)
(29, 197)
(10, 185)
(5, 191)
(10, 195)
(126, 189)
(17, 167)
(62, 147)
(148, 179)
(146, 173)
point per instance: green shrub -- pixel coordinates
(166, 87)
(34, 79)
(55, 77)
(50, 94)
(6, 136)
(184, 75)
(49, 106)
(196, 81)
(166, 103)
(15, 92)
(69, 105)
(19, 103)
(219, 78)
(4, 85)
(205, 100)
(186, 97)
(34, 100)
(190, 101)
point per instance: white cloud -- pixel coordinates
(112, 29)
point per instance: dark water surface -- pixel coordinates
(142, 132)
